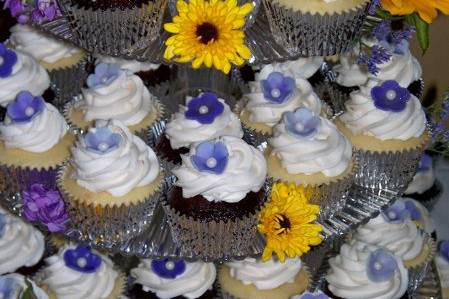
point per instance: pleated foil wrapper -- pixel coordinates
(418, 273)
(331, 95)
(114, 32)
(313, 35)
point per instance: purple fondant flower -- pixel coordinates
(277, 88)
(425, 163)
(381, 266)
(302, 123)
(25, 107)
(45, 10)
(2, 224)
(82, 259)
(211, 157)
(315, 295)
(167, 268)
(8, 59)
(444, 250)
(104, 75)
(390, 96)
(17, 9)
(396, 213)
(102, 140)
(205, 108)
(415, 213)
(45, 206)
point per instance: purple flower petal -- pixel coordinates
(302, 123)
(390, 96)
(211, 157)
(8, 59)
(444, 250)
(396, 213)
(168, 269)
(381, 266)
(82, 259)
(205, 108)
(277, 88)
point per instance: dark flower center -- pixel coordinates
(284, 223)
(206, 32)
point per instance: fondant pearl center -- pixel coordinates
(103, 146)
(275, 92)
(81, 262)
(104, 79)
(211, 162)
(391, 95)
(391, 215)
(377, 266)
(29, 111)
(1, 62)
(170, 265)
(204, 109)
(299, 127)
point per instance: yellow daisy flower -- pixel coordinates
(427, 9)
(287, 223)
(209, 33)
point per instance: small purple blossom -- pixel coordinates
(390, 96)
(381, 266)
(105, 74)
(211, 157)
(373, 7)
(167, 268)
(444, 250)
(378, 55)
(415, 213)
(8, 59)
(204, 108)
(82, 259)
(396, 213)
(25, 107)
(46, 207)
(302, 123)
(102, 140)
(277, 88)
(17, 9)
(384, 32)
(45, 10)
(315, 295)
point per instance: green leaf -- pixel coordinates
(28, 294)
(422, 30)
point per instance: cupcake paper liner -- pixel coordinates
(331, 95)
(417, 273)
(254, 137)
(114, 32)
(314, 35)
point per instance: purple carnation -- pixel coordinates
(45, 10)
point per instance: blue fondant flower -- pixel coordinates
(102, 140)
(425, 163)
(381, 266)
(25, 107)
(8, 59)
(396, 213)
(8, 287)
(315, 295)
(82, 259)
(415, 213)
(104, 75)
(211, 157)
(167, 268)
(277, 88)
(204, 108)
(444, 250)
(302, 123)
(390, 96)
(2, 224)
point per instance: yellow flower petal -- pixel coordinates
(171, 27)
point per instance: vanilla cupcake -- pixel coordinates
(442, 265)
(315, 27)
(253, 279)
(387, 127)
(175, 278)
(21, 245)
(212, 207)
(77, 272)
(19, 72)
(366, 272)
(65, 63)
(112, 182)
(18, 286)
(34, 143)
(309, 151)
(114, 93)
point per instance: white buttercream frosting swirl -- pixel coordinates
(403, 239)
(38, 135)
(246, 171)
(197, 278)
(443, 271)
(264, 111)
(20, 285)
(39, 45)
(422, 181)
(68, 283)
(134, 66)
(182, 132)
(27, 74)
(328, 152)
(304, 67)
(348, 276)
(132, 164)
(426, 220)
(125, 99)
(265, 275)
(20, 244)
(363, 117)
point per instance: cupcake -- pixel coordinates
(18, 286)
(113, 93)
(212, 207)
(317, 27)
(314, 295)
(424, 187)
(442, 265)
(309, 151)
(34, 143)
(366, 272)
(166, 279)
(112, 183)
(21, 245)
(80, 273)
(65, 63)
(203, 118)
(253, 279)
(20, 72)
(387, 128)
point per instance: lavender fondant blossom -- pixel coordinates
(25, 107)
(204, 108)
(167, 268)
(104, 75)
(381, 266)
(102, 140)
(277, 88)
(8, 59)
(390, 96)
(396, 213)
(211, 157)
(82, 259)
(301, 123)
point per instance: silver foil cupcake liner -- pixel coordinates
(114, 32)
(430, 287)
(313, 35)
(252, 136)
(417, 274)
(331, 95)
